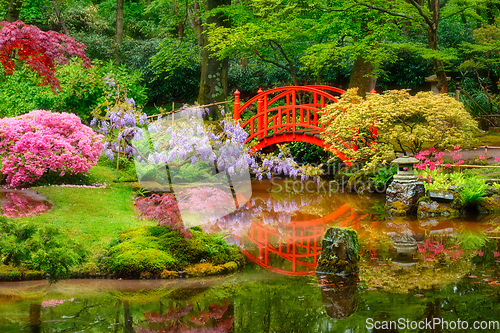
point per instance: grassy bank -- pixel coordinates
(90, 217)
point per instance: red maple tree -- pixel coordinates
(40, 50)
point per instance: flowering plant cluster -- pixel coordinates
(117, 120)
(282, 163)
(482, 159)
(430, 159)
(185, 140)
(34, 143)
(40, 50)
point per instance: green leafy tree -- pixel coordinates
(276, 32)
(484, 56)
(426, 15)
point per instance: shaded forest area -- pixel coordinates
(184, 50)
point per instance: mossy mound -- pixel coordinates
(489, 205)
(153, 251)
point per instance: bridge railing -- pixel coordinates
(279, 110)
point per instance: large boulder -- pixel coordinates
(402, 198)
(339, 252)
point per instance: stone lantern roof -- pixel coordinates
(405, 160)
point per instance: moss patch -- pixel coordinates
(489, 205)
(12, 273)
(152, 251)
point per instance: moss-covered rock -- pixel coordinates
(339, 252)
(155, 251)
(489, 205)
(402, 198)
(434, 208)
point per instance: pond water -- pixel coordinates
(412, 272)
(19, 203)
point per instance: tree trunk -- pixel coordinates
(442, 83)
(13, 10)
(214, 72)
(362, 76)
(119, 31)
(196, 22)
(180, 21)
(59, 17)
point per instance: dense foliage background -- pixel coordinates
(165, 46)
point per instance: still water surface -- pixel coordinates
(411, 270)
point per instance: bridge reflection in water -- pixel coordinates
(293, 248)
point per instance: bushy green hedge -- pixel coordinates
(82, 89)
(152, 249)
(39, 247)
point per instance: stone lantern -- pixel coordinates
(433, 80)
(405, 169)
(403, 193)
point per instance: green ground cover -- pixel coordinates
(98, 221)
(91, 215)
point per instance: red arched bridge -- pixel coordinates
(288, 114)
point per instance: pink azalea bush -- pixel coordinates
(429, 158)
(42, 141)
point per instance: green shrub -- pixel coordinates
(383, 176)
(155, 249)
(303, 152)
(82, 89)
(44, 248)
(473, 190)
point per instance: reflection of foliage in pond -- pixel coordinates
(17, 204)
(471, 240)
(217, 319)
(394, 278)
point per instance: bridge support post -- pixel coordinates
(260, 122)
(237, 115)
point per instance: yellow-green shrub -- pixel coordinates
(404, 123)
